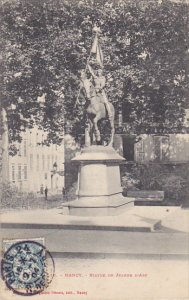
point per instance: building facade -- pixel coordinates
(36, 166)
(172, 148)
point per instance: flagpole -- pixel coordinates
(97, 31)
(80, 86)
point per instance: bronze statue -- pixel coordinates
(94, 85)
(99, 107)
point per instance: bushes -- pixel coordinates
(71, 195)
(130, 177)
(9, 195)
(173, 186)
(170, 178)
(12, 198)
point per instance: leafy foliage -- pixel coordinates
(172, 179)
(12, 198)
(45, 44)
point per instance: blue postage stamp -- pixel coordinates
(27, 267)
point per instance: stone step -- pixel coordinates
(138, 231)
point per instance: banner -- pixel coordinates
(96, 49)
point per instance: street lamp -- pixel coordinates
(55, 166)
(53, 172)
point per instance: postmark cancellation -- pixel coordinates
(27, 267)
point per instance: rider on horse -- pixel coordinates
(86, 83)
(99, 104)
(99, 84)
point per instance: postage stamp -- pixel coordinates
(27, 267)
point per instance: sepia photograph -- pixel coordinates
(94, 149)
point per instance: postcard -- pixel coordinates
(94, 146)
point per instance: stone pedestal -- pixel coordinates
(99, 183)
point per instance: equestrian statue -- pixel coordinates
(93, 83)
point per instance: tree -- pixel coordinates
(46, 43)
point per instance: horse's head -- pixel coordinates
(92, 90)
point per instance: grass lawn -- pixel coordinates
(31, 202)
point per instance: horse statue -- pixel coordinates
(96, 111)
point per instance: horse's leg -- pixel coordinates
(91, 131)
(87, 134)
(112, 130)
(97, 131)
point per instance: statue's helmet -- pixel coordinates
(100, 71)
(82, 73)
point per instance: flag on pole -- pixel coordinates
(96, 49)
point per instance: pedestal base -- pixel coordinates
(87, 207)
(143, 230)
(99, 184)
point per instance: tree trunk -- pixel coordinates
(4, 149)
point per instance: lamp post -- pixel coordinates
(53, 172)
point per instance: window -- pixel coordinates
(45, 176)
(140, 156)
(48, 162)
(43, 162)
(31, 161)
(13, 173)
(37, 162)
(161, 148)
(25, 148)
(52, 161)
(30, 139)
(25, 173)
(19, 150)
(165, 148)
(19, 172)
(37, 138)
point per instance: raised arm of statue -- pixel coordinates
(99, 79)
(102, 82)
(86, 83)
(91, 71)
